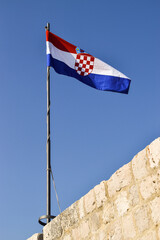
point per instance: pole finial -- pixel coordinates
(47, 27)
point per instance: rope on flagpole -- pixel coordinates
(55, 191)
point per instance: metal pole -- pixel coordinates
(48, 216)
(48, 143)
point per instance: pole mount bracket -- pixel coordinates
(45, 217)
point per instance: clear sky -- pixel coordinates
(93, 133)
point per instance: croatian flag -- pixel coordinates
(70, 60)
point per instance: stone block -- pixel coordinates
(36, 236)
(100, 235)
(67, 237)
(129, 231)
(142, 218)
(100, 193)
(155, 208)
(159, 233)
(53, 229)
(149, 236)
(90, 202)
(47, 231)
(108, 213)
(122, 203)
(153, 152)
(81, 208)
(115, 231)
(139, 165)
(95, 222)
(133, 196)
(76, 233)
(150, 185)
(84, 229)
(120, 179)
(69, 217)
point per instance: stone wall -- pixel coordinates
(125, 207)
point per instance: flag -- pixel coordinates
(70, 60)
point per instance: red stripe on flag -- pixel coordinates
(60, 43)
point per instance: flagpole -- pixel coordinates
(48, 143)
(48, 216)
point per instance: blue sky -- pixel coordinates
(93, 133)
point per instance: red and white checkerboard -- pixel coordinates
(84, 64)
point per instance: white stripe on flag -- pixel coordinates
(66, 57)
(100, 67)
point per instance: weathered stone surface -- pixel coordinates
(53, 230)
(81, 208)
(84, 229)
(153, 152)
(142, 218)
(90, 202)
(115, 231)
(69, 217)
(150, 185)
(108, 213)
(94, 222)
(100, 235)
(120, 179)
(159, 233)
(122, 203)
(100, 193)
(155, 208)
(129, 231)
(149, 236)
(47, 232)
(139, 165)
(36, 236)
(76, 233)
(133, 196)
(67, 237)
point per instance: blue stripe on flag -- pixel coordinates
(100, 82)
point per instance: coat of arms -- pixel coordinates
(84, 62)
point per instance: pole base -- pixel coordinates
(45, 217)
